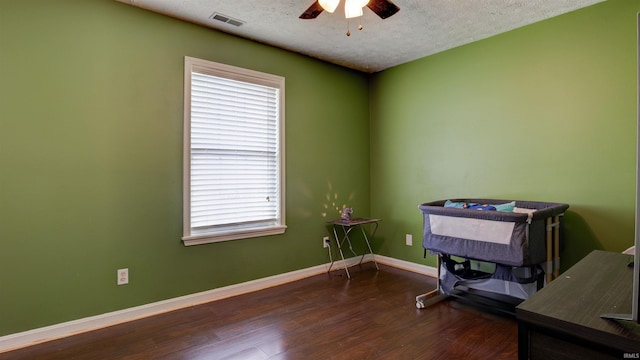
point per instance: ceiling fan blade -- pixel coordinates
(383, 8)
(312, 12)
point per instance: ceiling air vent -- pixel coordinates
(226, 19)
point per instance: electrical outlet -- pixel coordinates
(326, 242)
(123, 276)
(408, 239)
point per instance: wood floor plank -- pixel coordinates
(371, 316)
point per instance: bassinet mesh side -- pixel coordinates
(527, 243)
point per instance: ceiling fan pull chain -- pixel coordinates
(360, 27)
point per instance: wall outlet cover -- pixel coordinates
(123, 276)
(409, 240)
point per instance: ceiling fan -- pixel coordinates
(382, 8)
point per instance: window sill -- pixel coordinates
(232, 235)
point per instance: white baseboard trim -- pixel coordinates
(57, 331)
(406, 265)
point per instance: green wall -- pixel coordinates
(546, 113)
(91, 113)
(91, 147)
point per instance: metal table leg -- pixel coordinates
(339, 244)
(366, 240)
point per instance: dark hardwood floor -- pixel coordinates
(371, 316)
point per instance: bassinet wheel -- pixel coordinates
(419, 305)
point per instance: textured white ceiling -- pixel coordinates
(419, 29)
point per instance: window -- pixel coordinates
(233, 153)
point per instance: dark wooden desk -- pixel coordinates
(562, 321)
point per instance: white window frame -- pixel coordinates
(231, 232)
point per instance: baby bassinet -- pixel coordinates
(524, 239)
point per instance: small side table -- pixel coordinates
(345, 229)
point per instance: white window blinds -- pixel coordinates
(234, 154)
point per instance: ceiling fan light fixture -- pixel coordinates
(352, 8)
(361, 3)
(329, 5)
